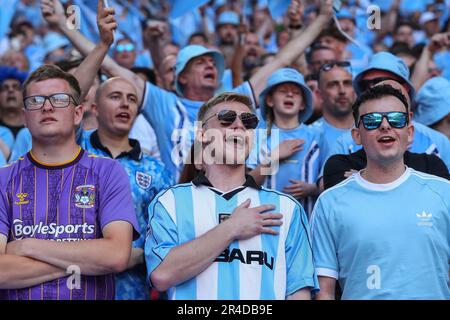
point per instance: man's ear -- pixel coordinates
(356, 135)
(269, 101)
(79, 110)
(94, 109)
(182, 79)
(410, 133)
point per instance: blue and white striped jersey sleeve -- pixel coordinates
(299, 257)
(162, 235)
(323, 243)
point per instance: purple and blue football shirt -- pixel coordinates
(68, 202)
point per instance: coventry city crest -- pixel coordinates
(85, 196)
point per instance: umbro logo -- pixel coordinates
(425, 219)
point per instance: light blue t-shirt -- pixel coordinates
(303, 165)
(329, 135)
(385, 241)
(263, 267)
(6, 136)
(173, 120)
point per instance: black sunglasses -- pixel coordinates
(373, 120)
(328, 66)
(367, 84)
(227, 117)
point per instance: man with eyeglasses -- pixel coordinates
(383, 233)
(58, 195)
(222, 236)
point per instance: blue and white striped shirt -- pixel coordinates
(263, 267)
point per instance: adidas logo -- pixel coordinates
(424, 215)
(424, 219)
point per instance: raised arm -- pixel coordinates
(110, 254)
(53, 12)
(155, 39)
(20, 272)
(420, 74)
(294, 48)
(88, 69)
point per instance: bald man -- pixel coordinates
(116, 109)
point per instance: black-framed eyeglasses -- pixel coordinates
(57, 100)
(227, 117)
(373, 120)
(328, 66)
(369, 83)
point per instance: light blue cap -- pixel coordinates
(193, 51)
(344, 13)
(433, 101)
(228, 17)
(387, 62)
(53, 41)
(286, 75)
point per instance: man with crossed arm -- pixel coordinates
(59, 192)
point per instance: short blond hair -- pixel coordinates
(223, 97)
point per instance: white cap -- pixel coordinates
(427, 16)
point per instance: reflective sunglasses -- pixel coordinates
(57, 100)
(128, 47)
(367, 84)
(328, 66)
(227, 117)
(373, 120)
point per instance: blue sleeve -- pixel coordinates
(158, 107)
(324, 247)
(6, 136)
(162, 236)
(299, 257)
(22, 145)
(2, 159)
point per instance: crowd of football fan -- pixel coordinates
(303, 66)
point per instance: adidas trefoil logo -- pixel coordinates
(424, 219)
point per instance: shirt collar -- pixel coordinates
(135, 152)
(201, 179)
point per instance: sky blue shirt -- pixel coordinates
(262, 267)
(303, 165)
(329, 135)
(385, 241)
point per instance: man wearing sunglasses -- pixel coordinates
(384, 232)
(222, 236)
(125, 53)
